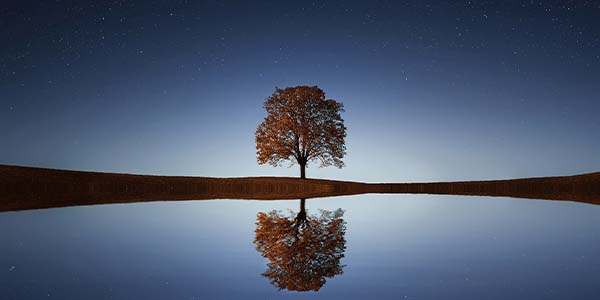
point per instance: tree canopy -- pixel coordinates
(301, 126)
(302, 251)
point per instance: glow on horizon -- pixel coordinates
(422, 103)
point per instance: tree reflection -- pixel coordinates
(302, 250)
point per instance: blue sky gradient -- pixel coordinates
(432, 90)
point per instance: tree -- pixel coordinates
(301, 126)
(304, 250)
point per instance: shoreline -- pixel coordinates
(23, 188)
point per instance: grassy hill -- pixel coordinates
(32, 188)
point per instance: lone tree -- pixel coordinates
(303, 251)
(301, 126)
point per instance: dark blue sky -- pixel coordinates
(433, 90)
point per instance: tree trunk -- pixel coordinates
(300, 220)
(301, 217)
(302, 169)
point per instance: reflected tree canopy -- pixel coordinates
(303, 250)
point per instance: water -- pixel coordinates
(391, 247)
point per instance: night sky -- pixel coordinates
(433, 90)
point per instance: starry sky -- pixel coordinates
(433, 90)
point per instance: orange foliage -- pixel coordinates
(301, 126)
(302, 251)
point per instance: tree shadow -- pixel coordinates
(303, 250)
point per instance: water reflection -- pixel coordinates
(303, 250)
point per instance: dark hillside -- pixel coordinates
(31, 188)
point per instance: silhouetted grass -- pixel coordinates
(32, 188)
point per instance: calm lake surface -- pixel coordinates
(387, 247)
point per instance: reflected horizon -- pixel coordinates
(425, 247)
(23, 188)
(300, 150)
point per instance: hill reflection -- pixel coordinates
(23, 188)
(303, 250)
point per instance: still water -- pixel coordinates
(356, 247)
